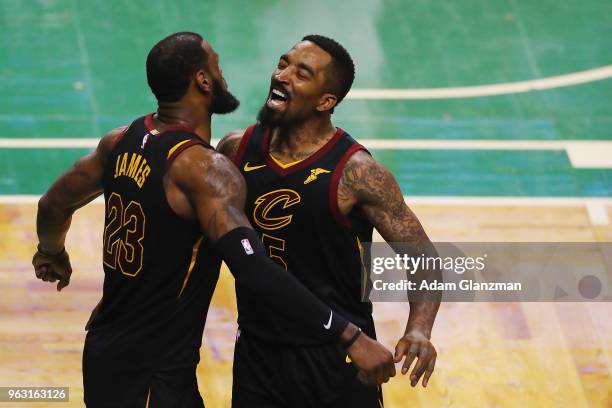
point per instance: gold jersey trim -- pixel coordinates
(194, 255)
(176, 146)
(283, 165)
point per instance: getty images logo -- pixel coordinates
(247, 246)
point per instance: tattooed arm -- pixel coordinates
(228, 146)
(204, 185)
(71, 191)
(369, 187)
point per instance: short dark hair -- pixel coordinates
(341, 71)
(172, 62)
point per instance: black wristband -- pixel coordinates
(45, 253)
(353, 339)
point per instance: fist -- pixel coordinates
(51, 268)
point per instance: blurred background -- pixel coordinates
(494, 116)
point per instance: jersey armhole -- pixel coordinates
(335, 182)
(180, 147)
(243, 145)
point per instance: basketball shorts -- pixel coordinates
(267, 375)
(115, 378)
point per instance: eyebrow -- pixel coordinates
(306, 67)
(300, 65)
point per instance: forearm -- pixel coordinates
(72, 190)
(422, 316)
(277, 288)
(424, 304)
(52, 224)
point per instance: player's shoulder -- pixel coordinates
(112, 137)
(230, 143)
(201, 166)
(197, 156)
(109, 141)
(117, 132)
(363, 173)
(362, 160)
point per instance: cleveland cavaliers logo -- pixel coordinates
(284, 199)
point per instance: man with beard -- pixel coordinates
(174, 209)
(314, 195)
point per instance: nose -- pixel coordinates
(281, 75)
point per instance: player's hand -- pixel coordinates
(51, 268)
(416, 344)
(373, 361)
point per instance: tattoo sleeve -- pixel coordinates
(216, 191)
(373, 190)
(228, 146)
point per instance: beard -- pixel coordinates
(269, 118)
(223, 101)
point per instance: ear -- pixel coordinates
(327, 102)
(203, 81)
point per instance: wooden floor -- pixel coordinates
(490, 354)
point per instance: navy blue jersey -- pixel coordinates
(294, 208)
(159, 271)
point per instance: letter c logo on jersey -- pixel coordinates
(266, 202)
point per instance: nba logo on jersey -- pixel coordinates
(247, 246)
(144, 141)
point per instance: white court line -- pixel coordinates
(396, 144)
(513, 201)
(541, 84)
(581, 153)
(468, 144)
(597, 213)
(51, 143)
(595, 206)
(32, 199)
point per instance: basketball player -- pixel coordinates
(174, 209)
(314, 194)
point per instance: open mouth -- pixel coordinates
(277, 99)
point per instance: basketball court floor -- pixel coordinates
(495, 117)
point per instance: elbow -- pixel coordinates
(44, 204)
(47, 205)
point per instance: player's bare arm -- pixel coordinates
(207, 185)
(228, 146)
(71, 191)
(370, 187)
(204, 185)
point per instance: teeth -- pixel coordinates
(279, 93)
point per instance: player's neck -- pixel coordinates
(302, 139)
(171, 114)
